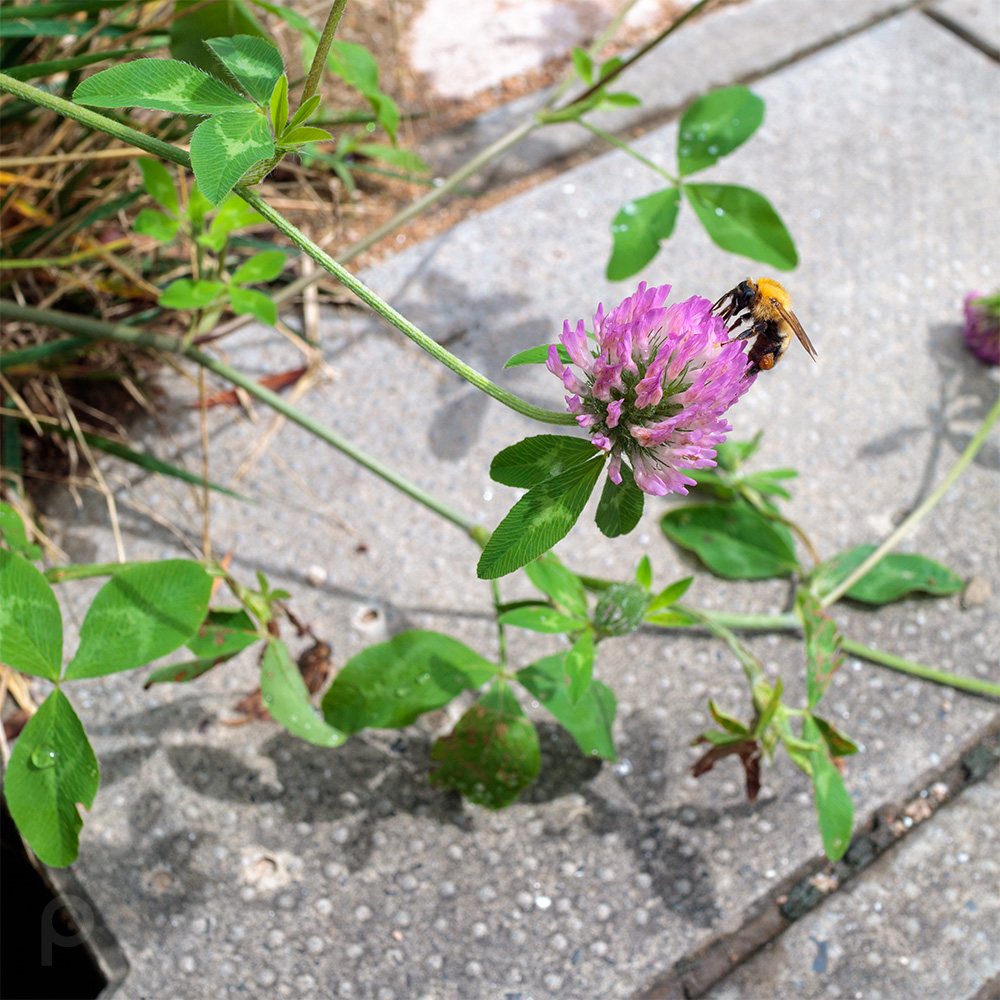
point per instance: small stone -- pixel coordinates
(977, 592)
(316, 576)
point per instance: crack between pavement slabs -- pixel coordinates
(695, 974)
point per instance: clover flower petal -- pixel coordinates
(982, 326)
(654, 382)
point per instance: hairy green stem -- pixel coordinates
(400, 322)
(322, 49)
(252, 198)
(501, 145)
(750, 664)
(83, 571)
(501, 634)
(91, 119)
(100, 330)
(11, 360)
(30, 263)
(973, 684)
(450, 184)
(87, 326)
(638, 54)
(472, 166)
(789, 622)
(919, 513)
(626, 148)
(609, 32)
(324, 433)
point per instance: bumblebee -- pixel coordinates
(767, 307)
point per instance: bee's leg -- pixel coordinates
(759, 358)
(743, 334)
(765, 363)
(730, 309)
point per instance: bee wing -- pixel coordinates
(792, 320)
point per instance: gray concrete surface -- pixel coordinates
(977, 21)
(729, 45)
(237, 860)
(880, 938)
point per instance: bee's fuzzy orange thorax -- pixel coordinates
(770, 289)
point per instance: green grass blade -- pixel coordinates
(35, 71)
(145, 461)
(42, 352)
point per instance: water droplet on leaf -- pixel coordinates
(44, 756)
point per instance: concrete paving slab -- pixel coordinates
(729, 45)
(513, 37)
(924, 922)
(977, 21)
(239, 860)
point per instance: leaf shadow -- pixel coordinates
(965, 392)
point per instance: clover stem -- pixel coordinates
(322, 50)
(100, 330)
(400, 322)
(918, 513)
(626, 148)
